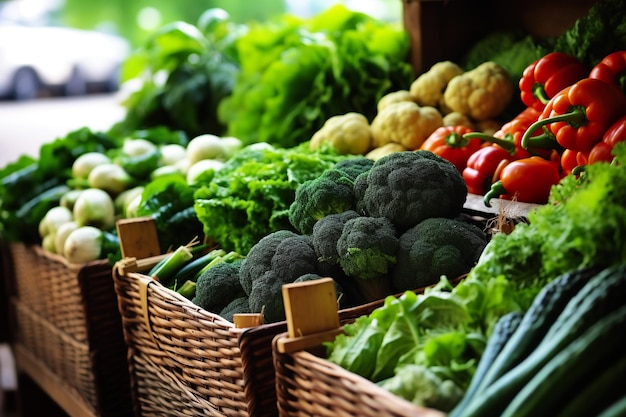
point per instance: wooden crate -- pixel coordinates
(444, 29)
(185, 360)
(309, 385)
(66, 331)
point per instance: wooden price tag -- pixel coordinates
(311, 313)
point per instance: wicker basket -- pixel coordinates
(65, 321)
(187, 361)
(308, 385)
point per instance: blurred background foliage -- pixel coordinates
(136, 20)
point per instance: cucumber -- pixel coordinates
(546, 306)
(601, 295)
(591, 353)
(603, 390)
(617, 409)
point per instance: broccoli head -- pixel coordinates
(218, 286)
(408, 187)
(437, 246)
(326, 233)
(367, 252)
(237, 306)
(354, 166)
(329, 193)
(278, 258)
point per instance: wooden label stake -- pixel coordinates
(311, 313)
(245, 320)
(138, 237)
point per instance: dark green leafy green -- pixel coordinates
(169, 201)
(595, 35)
(183, 71)
(297, 73)
(250, 196)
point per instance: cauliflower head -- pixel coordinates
(457, 119)
(348, 133)
(428, 88)
(394, 97)
(481, 93)
(405, 123)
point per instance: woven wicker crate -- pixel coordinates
(309, 385)
(65, 320)
(187, 361)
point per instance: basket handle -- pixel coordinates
(145, 282)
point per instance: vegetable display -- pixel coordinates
(573, 351)
(297, 73)
(353, 229)
(545, 77)
(554, 272)
(250, 196)
(286, 151)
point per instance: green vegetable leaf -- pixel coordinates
(169, 201)
(356, 350)
(250, 196)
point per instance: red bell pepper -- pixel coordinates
(548, 75)
(449, 143)
(579, 115)
(612, 69)
(603, 150)
(526, 180)
(482, 167)
(509, 136)
(571, 159)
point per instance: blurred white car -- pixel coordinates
(62, 60)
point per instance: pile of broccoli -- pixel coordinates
(377, 228)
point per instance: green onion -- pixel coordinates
(166, 270)
(187, 290)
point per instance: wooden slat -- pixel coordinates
(72, 403)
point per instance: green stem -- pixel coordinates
(620, 80)
(540, 93)
(575, 117)
(456, 140)
(507, 145)
(546, 140)
(187, 290)
(494, 192)
(172, 264)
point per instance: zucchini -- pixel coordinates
(601, 295)
(589, 354)
(546, 306)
